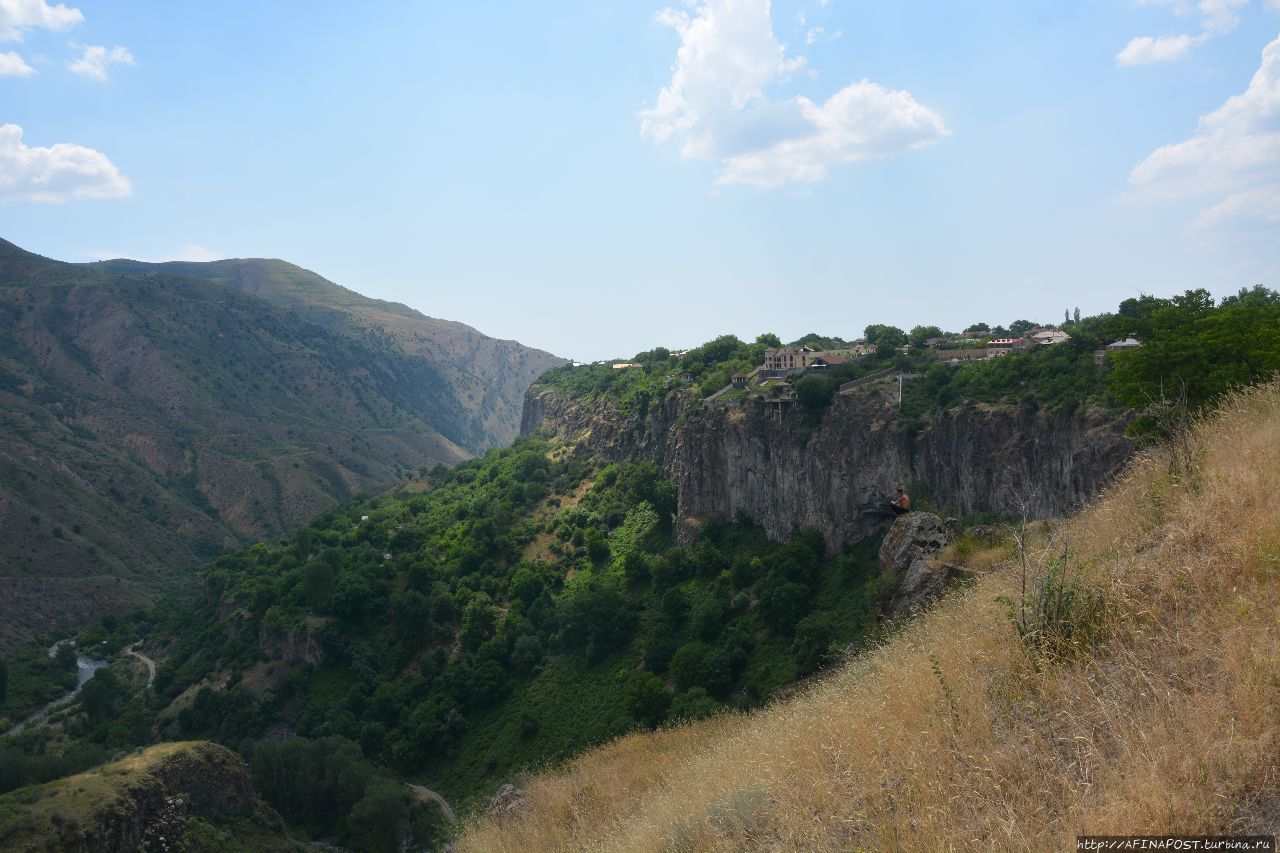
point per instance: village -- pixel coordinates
(772, 380)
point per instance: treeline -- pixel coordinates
(1189, 343)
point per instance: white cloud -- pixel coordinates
(55, 174)
(1145, 50)
(716, 106)
(1232, 161)
(93, 63)
(818, 34)
(13, 65)
(1216, 17)
(17, 16)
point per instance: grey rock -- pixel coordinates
(508, 802)
(741, 459)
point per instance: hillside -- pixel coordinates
(154, 417)
(174, 796)
(1133, 690)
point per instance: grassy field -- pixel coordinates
(1135, 689)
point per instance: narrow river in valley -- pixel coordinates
(86, 667)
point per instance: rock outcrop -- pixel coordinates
(739, 458)
(142, 801)
(910, 576)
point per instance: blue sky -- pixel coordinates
(598, 179)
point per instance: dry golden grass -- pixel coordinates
(953, 736)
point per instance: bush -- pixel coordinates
(693, 704)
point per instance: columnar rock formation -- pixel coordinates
(739, 458)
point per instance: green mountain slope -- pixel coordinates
(153, 419)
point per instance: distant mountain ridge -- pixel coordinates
(157, 414)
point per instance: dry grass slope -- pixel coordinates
(1158, 709)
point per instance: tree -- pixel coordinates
(884, 337)
(1017, 327)
(317, 581)
(381, 818)
(815, 391)
(1188, 341)
(977, 329)
(100, 697)
(4, 681)
(693, 704)
(646, 699)
(769, 340)
(1076, 316)
(920, 334)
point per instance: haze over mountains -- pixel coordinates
(157, 414)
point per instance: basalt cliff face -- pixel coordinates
(741, 458)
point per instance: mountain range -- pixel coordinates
(155, 415)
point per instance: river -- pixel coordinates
(86, 667)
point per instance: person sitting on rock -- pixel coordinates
(901, 505)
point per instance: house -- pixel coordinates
(933, 342)
(1100, 355)
(1004, 346)
(958, 356)
(739, 380)
(1048, 337)
(825, 361)
(780, 362)
(626, 365)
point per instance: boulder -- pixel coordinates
(910, 575)
(508, 802)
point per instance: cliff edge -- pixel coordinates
(743, 458)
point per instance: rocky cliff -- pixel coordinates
(741, 458)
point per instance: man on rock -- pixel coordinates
(901, 505)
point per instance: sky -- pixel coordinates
(597, 179)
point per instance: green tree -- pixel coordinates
(920, 334)
(317, 581)
(4, 681)
(884, 337)
(815, 391)
(101, 695)
(381, 819)
(693, 704)
(646, 699)
(1187, 341)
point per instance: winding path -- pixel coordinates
(151, 665)
(425, 794)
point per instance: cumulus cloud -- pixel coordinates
(1145, 50)
(18, 16)
(1231, 164)
(55, 174)
(95, 59)
(13, 65)
(716, 106)
(1216, 17)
